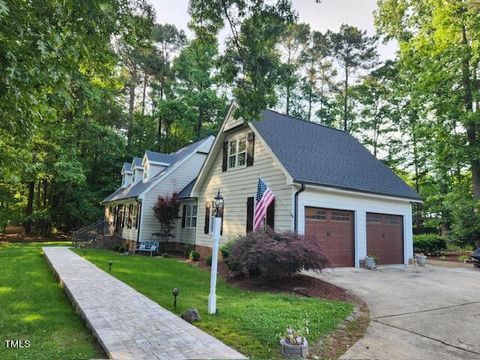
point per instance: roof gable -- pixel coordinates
(126, 168)
(320, 155)
(137, 163)
(137, 189)
(158, 158)
(187, 190)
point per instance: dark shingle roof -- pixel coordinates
(134, 190)
(187, 190)
(317, 154)
(137, 161)
(127, 167)
(158, 157)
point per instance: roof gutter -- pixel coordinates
(295, 207)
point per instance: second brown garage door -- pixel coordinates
(385, 238)
(334, 230)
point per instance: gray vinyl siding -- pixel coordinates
(175, 181)
(232, 122)
(185, 235)
(237, 185)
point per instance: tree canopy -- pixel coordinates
(88, 85)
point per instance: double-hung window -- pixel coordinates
(237, 152)
(191, 216)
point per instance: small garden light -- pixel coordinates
(175, 293)
(84, 252)
(110, 262)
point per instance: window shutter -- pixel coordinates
(206, 228)
(250, 208)
(250, 148)
(139, 212)
(184, 215)
(271, 214)
(225, 156)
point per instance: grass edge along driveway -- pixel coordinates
(34, 307)
(248, 321)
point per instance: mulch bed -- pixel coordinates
(298, 284)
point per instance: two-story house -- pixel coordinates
(326, 185)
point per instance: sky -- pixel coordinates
(328, 15)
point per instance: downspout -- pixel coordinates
(295, 206)
(139, 218)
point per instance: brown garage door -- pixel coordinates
(334, 230)
(385, 238)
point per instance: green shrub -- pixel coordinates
(209, 260)
(226, 248)
(194, 255)
(429, 243)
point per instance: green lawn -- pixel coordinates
(250, 322)
(34, 307)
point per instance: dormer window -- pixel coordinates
(237, 152)
(145, 172)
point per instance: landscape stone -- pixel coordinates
(191, 315)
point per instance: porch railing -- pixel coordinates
(91, 233)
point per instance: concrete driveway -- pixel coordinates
(417, 313)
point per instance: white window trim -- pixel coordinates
(189, 217)
(145, 172)
(237, 153)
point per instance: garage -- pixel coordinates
(385, 238)
(334, 229)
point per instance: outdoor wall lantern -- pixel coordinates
(175, 293)
(218, 204)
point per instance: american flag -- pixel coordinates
(264, 198)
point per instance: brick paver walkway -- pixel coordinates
(127, 324)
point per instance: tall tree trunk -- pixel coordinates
(45, 191)
(287, 110)
(144, 95)
(310, 103)
(345, 101)
(131, 106)
(416, 169)
(199, 123)
(160, 122)
(470, 126)
(160, 134)
(37, 195)
(29, 210)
